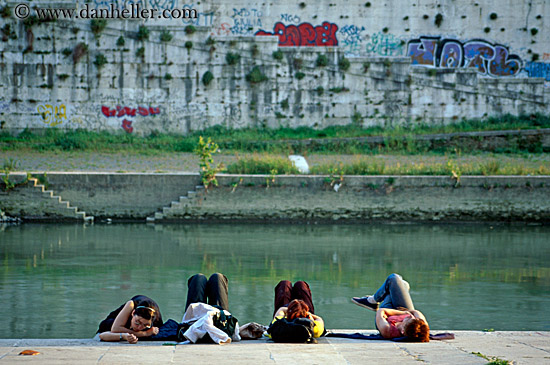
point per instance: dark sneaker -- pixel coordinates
(364, 302)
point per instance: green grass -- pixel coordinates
(397, 139)
(265, 163)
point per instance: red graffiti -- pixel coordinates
(127, 126)
(304, 34)
(126, 111)
(108, 112)
(122, 111)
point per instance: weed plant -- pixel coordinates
(262, 164)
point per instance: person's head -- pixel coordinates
(143, 317)
(416, 329)
(297, 309)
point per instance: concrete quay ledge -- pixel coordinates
(468, 347)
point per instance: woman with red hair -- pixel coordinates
(395, 313)
(294, 301)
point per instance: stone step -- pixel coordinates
(191, 194)
(150, 220)
(159, 216)
(184, 200)
(175, 205)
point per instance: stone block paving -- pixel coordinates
(469, 347)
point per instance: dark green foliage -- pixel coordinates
(120, 42)
(67, 52)
(190, 29)
(300, 75)
(278, 55)
(367, 4)
(425, 16)
(100, 60)
(143, 33)
(232, 58)
(167, 76)
(486, 29)
(256, 76)
(207, 78)
(320, 90)
(493, 16)
(322, 60)
(344, 64)
(298, 63)
(385, 30)
(140, 52)
(6, 12)
(165, 36)
(210, 41)
(98, 25)
(284, 104)
(188, 45)
(438, 20)
(534, 31)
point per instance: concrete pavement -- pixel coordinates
(469, 347)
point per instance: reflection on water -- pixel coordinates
(59, 281)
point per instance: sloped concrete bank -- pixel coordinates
(178, 197)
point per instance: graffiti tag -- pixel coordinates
(245, 20)
(385, 45)
(484, 57)
(52, 115)
(538, 69)
(202, 19)
(352, 38)
(120, 111)
(304, 34)
(127, 126)
(289, 18)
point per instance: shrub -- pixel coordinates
(140, 52)
(6, 12)
(100, 60)
(493, 16)
(210, 41)
(207, 78)
(165, 36)
(98, 25)
(120, 42)
(143, 33)
(262, 165)
(232, 58)
(190, 29)
(486, 29)
(320, 90)
(344, 64)
(298, 63)
(284, 104)
(67, 52)
(300, 75)
(534, 31)
(322, 60)
(278, 55)
(168, 76)
(188, 45)
(438, 20)
(256, 76)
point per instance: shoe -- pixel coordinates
(364, 302)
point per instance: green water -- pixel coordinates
(59, 281)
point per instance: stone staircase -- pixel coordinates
(66, 210)
(180, 207)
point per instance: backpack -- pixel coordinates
(299, 330)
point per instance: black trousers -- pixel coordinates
(285, 292)
(213, 291)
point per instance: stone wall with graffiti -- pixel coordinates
(243, 64)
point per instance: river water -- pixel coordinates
(60, 281)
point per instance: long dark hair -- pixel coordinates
(147, 309)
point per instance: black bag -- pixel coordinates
(182, 327)
(226, 323)
(299, 330)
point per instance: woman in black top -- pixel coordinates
(139, 317)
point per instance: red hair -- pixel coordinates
(297, 309)
(417, 330)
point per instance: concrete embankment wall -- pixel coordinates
(409, 62)
(291, 198)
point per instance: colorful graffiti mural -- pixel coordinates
(351, 39)
(245, 20)
(304, 34)
(52, 115)
(486, 58)
(383, 44)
